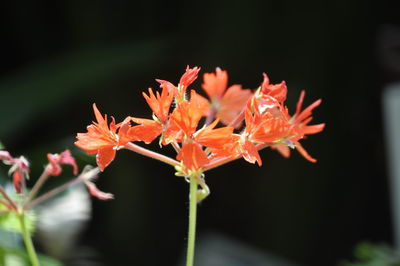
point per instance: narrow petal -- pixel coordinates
(17, 179)
(303, 152)
(314, 129)
(167, 85)
(300, 102)
(95, 192)
(189, 76)
(160, 104)
(282, 149)
(100, 120)
(307, 112)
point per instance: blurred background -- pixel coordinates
(59, 57)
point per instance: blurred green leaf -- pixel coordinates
(368, 254)
(10, 222)
(18, 257)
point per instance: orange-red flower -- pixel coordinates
(302, 118)
(148, 130)
(187, 78)
(249, 152)
(213, 138)
(299, 122)
(227, 103)
(215, 84)
(264, 125)
(186, 117)
(192, 156)
(267, 124)
(278, 91)
(102, 139)
(187, 114)
(160, 103)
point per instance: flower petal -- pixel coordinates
(303, 152)
(17, 179)
(278, 91)
(215, 83)
(105, 157)
(214, 138)
(232, 104)
(192, 156)
(250, 152)
(95, 192)
(147, 131)
(189, 76)
(282, 149)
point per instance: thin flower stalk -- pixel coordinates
(148, 153)
(10, 202)
(39, 183)
(192, 221)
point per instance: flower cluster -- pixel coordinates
(248, 122)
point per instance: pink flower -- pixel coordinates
(56, 160)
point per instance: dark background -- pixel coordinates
(58, 57)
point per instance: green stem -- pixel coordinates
(28, 241)
(192, 221)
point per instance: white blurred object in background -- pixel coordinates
(391, 111)
(62, 220)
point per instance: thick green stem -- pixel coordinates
(28, 241)
(192, 221)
